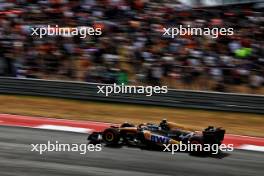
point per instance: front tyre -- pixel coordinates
(111, 136)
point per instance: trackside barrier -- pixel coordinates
(174, 98)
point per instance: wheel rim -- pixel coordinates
(109, 136)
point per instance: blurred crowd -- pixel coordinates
(132, 49)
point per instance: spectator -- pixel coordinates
(132, 40)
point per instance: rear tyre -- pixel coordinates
(111, 136)
(197, 145)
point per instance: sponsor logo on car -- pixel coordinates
(159, 139)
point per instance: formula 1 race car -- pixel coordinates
(155, 136)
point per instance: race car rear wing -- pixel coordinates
(213, 135)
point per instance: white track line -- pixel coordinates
(64, 128)
(252, 147)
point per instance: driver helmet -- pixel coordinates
(164, 124)
(164, 121)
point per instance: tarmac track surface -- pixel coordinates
(17, 159)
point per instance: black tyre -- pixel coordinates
(197, 143)
(111, 136)
(127, 125)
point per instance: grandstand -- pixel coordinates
(132, 49)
